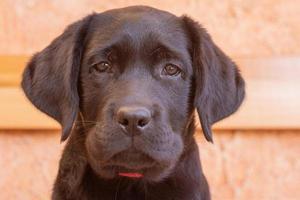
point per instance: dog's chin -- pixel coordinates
(135, 166)
(151, 174)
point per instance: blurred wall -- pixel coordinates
(240, 27)
(241, 165)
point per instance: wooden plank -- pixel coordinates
(273, 95)
(272, 101)
(11, 68)
(16, 112)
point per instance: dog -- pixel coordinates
(124, 85)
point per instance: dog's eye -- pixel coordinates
(101, 67)
(171, 70)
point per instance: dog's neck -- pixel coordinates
(75, 176)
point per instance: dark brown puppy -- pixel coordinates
(125, 83)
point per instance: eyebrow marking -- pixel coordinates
(162, 51)
(156, 50)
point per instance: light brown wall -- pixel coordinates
(240, 27)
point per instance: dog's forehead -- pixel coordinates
(139, 24)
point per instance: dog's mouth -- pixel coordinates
(143, 158)
(130, 163)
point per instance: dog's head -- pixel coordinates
(135, 76)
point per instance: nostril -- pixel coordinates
(133, 117)
(143, 122)
(123, 122)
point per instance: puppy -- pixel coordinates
(124, 85)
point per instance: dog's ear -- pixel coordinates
(219, 85)
(50, 78)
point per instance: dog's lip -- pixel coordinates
(131, 175)
(126, 172)
(132, 159)
(130, 167)
(131, 164)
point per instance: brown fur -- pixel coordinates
(131, 114)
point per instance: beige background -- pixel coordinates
(240, 27)
(241, 165)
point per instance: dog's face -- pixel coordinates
(135, 76)
(136, 79)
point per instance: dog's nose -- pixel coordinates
(133, 119)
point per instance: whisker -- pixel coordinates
(117, 191)
(95, 122)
